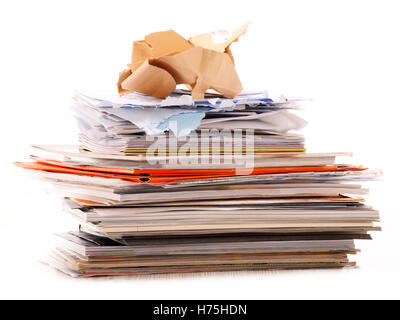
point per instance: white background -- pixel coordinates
(343, 54)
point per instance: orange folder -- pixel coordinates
(129, 177)
(169, 175)
(198, 172)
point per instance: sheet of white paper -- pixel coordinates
(279, 121)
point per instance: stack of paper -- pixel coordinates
(137, 124)
(177, 184)
(179, 210)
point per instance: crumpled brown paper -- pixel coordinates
(165, 59)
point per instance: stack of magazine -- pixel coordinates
(183, 171)
(171, 185)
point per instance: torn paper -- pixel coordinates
(178, 98)
(156, 121)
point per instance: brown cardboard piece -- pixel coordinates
(165, 59)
